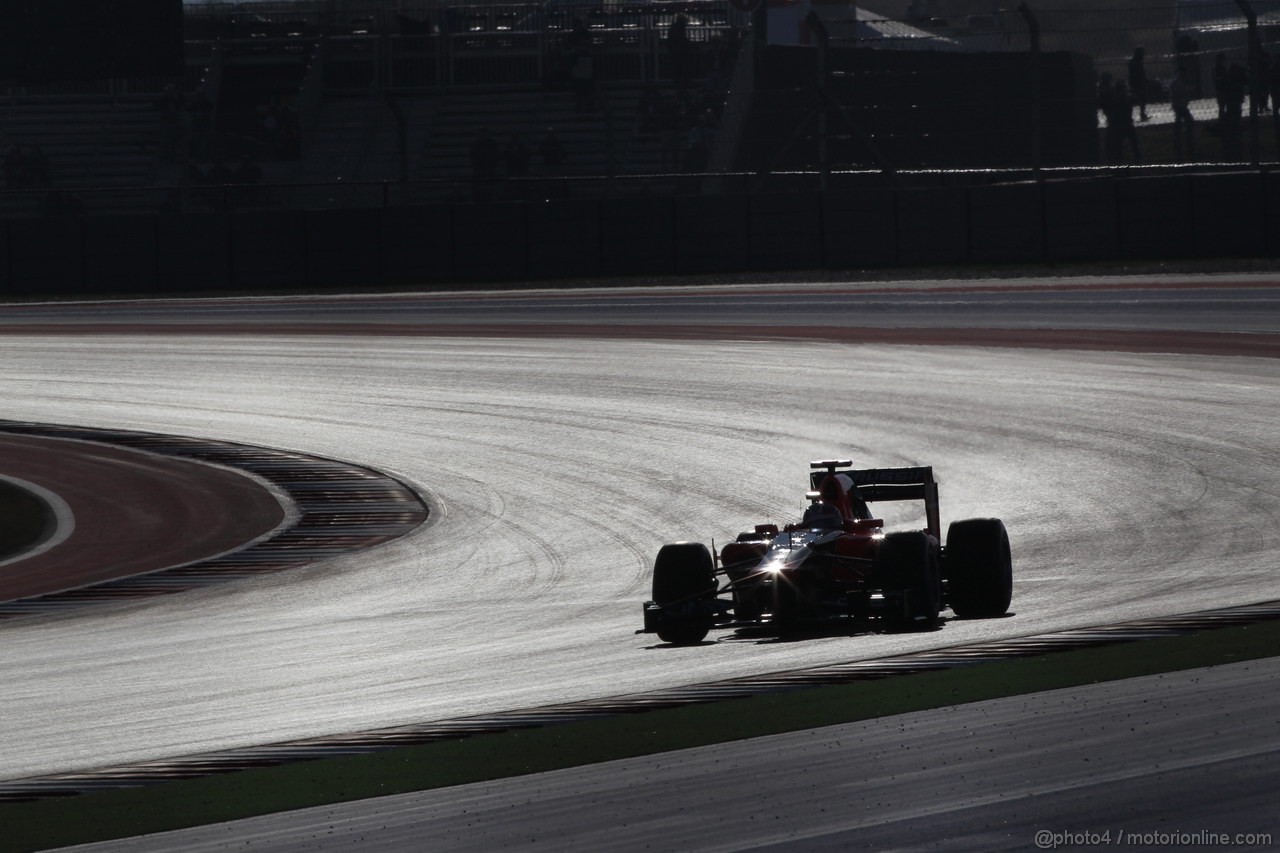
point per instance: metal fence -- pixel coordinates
(1149, 83)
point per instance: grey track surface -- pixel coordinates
(1236, 303)
(1185, 753)
(557, 468)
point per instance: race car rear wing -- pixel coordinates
(886, 484)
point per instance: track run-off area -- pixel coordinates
(1125, 430)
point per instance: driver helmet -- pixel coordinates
(822, 516)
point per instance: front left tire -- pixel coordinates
(684, 575)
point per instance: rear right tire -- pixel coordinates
(979, 568)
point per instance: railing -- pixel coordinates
(508, 46)
(1228, 64)
(174, 199)
(310, 18)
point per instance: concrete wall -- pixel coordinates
(1165, 217)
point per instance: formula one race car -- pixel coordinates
(836, 563)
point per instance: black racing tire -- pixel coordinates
(979, 568)
(684, 572)
(909, 562)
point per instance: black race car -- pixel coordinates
(836, 562)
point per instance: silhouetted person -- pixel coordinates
(1189, 61)
(1180, 91)
(1138, 80)
(1260, 79)
(1118, 108)
(1274, 82)
(1220, 82)
(1231, 97)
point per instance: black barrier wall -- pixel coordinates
(1149, 218)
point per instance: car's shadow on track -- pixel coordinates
(770, 634)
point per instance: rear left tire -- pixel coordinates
(909, 562)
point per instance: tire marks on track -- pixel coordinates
(341, 508)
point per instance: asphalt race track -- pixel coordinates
(1133, 483)
(125, 512)
(1065, 769)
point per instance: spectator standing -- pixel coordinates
(1274, 83)
(1138, 80)
(1125, 131)
(1183, 122)
(1220, 83)
(1231, 97)
(1188, 50)
(1260, 77)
